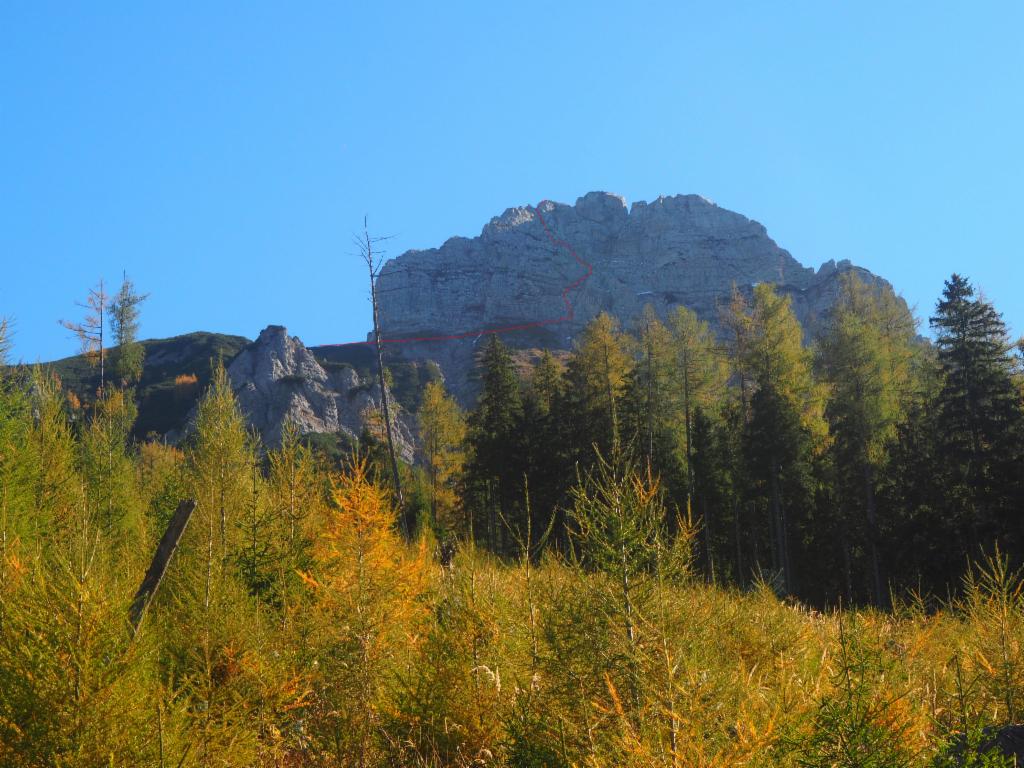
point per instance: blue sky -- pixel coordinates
(223, 153)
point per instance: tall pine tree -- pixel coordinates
(979, 408)
(494, 476)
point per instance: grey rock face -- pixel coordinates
(681, 250)
(277, 380)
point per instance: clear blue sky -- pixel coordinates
(223, 153)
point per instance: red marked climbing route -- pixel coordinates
(569, 311)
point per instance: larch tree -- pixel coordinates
(296, 491)
(74, 688)
(700, 374)
(108, 470)
(622, 540)
(649, 406)
(787, 422)
(367, 593)
(597, 375)
(220, 460)
(865, 357)
(442, 434)
(210, 585)
(124, 323)
(52, 452)
(91, 329)
(16, 465)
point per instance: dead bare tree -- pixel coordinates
(90, 330)
(374, 258)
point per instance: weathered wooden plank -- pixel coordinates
(164, 551)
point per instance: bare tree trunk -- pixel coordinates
(373, 265)
(612, 409)
(844, 543)
(650, 406)
(736, 529)
(102, 311)
(779, 514)
(876, 569)
(386, 407)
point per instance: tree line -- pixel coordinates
(863, 462)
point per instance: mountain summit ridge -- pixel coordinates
(675, 250)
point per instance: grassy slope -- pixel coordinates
(162, 406)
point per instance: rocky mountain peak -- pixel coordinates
(599, 254)
(278, 380)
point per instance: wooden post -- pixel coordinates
(161, 559)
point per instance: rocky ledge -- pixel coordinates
(278, 380)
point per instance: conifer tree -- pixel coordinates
(367, 598)
(124, 323)
(442, 434)
(296, 494)
(597, 376)
(108, 470)
(736, 318)
(494, 474)
(52, 454)
(650, 407)
(700, 374)
(979, 409)
(927, 544)
(866, 357)
(628, 559)
(786, 422)
(546, 450)
(715, 494)
(16, 465)
(161, 479)
(74, 688)
(220, 461)
(212, 587)
(452, 706)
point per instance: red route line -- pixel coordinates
(569, 311)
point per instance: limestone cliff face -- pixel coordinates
(681, 250)
(277, 380)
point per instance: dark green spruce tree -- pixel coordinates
(546, 458)
(980, 417)
(494, 472)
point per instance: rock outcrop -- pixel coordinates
(277, 380)
(676, 250)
